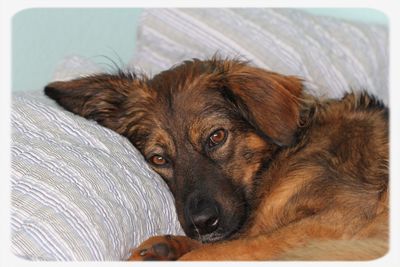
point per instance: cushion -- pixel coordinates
(79, 191)
(334, 56)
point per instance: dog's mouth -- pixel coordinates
(218, 235)
(211, 238)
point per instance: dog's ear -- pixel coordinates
(269, 101)
(100, 97)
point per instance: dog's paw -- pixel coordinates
(163, 248)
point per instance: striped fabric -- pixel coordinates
(79, 190)
(331, 54)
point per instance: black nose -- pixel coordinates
(203, 215)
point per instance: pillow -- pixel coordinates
(79, 191)
(333, 55)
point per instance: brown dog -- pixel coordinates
(259, 169)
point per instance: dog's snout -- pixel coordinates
(203, 215)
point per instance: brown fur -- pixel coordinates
(295, 178)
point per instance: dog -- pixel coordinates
(259, 168)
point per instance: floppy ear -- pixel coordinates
(100, 97)
(269, 101)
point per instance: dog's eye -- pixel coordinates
(217, 138)
(158, 160)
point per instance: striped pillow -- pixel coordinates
(79, 191)
(332, 55)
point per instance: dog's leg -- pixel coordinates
(261, 247)
(274, 246)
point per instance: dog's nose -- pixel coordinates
(206, 220)
(204, 215)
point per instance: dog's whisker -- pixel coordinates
(195, 228)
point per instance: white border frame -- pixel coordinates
(390, 7)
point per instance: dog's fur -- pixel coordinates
(290, 176)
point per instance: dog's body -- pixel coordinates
(259, 168)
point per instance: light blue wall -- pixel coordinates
(41, 38)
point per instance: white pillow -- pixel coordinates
(79, 191)
(333, 55)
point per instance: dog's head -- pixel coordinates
(209, 128)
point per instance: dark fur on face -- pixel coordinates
(230, 139)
